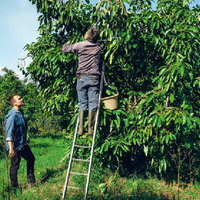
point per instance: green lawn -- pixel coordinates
(51, 169)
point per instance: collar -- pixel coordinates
(15, 110)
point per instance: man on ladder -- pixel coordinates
(89, 94)
(87, 76)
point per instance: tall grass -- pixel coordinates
(51, 169)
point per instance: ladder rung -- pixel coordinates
(82, 160)
(82, 146)
(77, 188)
(83, 174)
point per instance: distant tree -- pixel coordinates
(11, 84)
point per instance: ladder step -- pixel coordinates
(83, 146)
(82, 160)
(76, 188)
(83, 174)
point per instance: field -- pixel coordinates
(52, 155)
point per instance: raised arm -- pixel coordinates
(71, 48)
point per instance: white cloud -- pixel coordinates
(20, 76)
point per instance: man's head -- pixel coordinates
(92, 35)
(16, 101)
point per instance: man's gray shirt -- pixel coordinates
(89, 56)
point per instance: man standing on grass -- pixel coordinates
(15, 135)
(87, 76)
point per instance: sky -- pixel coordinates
(18, 27)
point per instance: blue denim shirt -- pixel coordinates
(15, 129)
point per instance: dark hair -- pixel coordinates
(12, 100)
(92, 34)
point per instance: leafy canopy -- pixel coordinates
(152, 56)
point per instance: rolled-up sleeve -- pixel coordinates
(71, 48)
(9, 128)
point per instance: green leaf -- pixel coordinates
(162, 71)
(142, 102)
(126, 123)
(146, 150)
(171, 98)
(164, 165)
(118, 121)
(194, 29)
(181, 70)
(111, 125)
(184, 119)
(106, 54)
(162, 118)
(111, 58)
(134, 141)
(138, 142)
(155, 79)
(160, 166)
(103, 187)
(158, 122)
(167, 139)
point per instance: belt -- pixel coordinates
(87, 74)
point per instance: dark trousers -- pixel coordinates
(27, 154)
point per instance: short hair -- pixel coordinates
(92, 34)
(12, 100)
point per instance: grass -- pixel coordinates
(51, 169)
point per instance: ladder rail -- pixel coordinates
(95, 130)
(70, 161)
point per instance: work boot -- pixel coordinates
(81, 122)
(15, 190)
(30, 179)
(91, 121)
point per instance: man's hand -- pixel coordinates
(11, 153)
(65, 46)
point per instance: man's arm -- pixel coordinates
(9, 129)
(65, 47)
(11, 150)
(71, 48)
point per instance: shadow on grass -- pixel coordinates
(142, 196)
(51, 173)
(53, 136)
(44, 145)
(137, 193)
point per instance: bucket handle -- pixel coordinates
(117, 93)
(106, 84)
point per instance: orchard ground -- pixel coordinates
(52, 154)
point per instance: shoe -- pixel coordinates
(31, 179)
(91, 121)
(15, 190)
